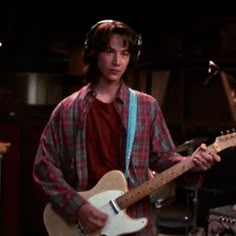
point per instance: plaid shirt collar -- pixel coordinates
(122, 93)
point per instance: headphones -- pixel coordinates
(88, 44)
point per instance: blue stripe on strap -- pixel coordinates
(130, 131)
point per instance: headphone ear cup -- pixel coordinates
(87, 44)
(86, 52)
(139, 44)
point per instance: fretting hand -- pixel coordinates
(204, 159)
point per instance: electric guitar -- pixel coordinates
(111, 195)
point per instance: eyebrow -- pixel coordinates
(109, 47)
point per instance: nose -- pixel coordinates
(116, 59)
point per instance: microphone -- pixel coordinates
(213, 70)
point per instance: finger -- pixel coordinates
(94, 223)
(216, 157)
(97, 223)
(203, 147)
(201, 162)
(90, 227)
(99, 217)
(211, 158)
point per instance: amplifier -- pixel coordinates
(222, 220)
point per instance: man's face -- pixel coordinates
(113, 61)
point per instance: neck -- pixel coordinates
(106, 92)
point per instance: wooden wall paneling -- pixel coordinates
(159, 85)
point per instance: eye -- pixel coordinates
(108, 50)
(126, 53)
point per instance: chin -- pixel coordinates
(113, 78)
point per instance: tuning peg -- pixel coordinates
(227, 132)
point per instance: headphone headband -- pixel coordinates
(93, 29)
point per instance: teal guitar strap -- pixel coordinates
(130, 130)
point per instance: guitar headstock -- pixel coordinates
(225, 141)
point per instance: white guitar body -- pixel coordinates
(110, 187)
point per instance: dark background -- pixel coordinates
(43, 37)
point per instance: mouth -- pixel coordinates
(114, 72)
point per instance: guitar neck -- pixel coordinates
(138, 193)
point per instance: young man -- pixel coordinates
(85, 137)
